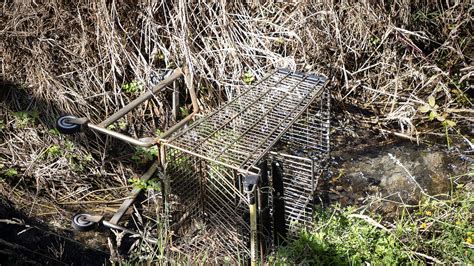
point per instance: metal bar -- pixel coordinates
(228, 121)
(278, 126)
(175, 101)
(133, 195)
(313, 185)
(194, 101)
(128, 231)
(221, 108)
(242, 171)
(255, 123)
(283, 132)
(253, 233)
(145, 96)
(291, 156)
(181, 123)
(173, 129)
(120, 136)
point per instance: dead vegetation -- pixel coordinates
(385, 60)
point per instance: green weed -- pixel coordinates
(433, 113)
(24, 118)
(437, 231)
(151, 184)
(11, 172)
(132, 87)
(69, 145)
(184, 111)
(143, 155)
(374, 41)
(54, 132)
(279, 41)
(53, 151)
(78, 163)
(121, 124)
(248, 78)
(158, 132)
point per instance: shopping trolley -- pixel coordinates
(247, 172)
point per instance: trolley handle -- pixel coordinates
(70, 124)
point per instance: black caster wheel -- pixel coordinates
(65, 127)
(80, 223)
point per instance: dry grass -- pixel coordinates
(383, 59)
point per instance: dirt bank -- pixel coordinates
(26, 241)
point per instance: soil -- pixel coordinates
(25, 241)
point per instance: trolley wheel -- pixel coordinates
(80, 223)
(63, 125)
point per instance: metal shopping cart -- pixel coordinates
(246, 172)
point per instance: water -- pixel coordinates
(402, 172)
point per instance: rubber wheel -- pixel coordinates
(80, 223)
(65, 127)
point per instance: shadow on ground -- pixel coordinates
(24, 241)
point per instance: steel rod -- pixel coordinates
(174, 128)
(220, 108)
(281, 133)
(145, 96)
(133, 195)
(256, 122)
(121, 136)
(242, 171)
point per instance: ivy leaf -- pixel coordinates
(424, 109)
(431, 101)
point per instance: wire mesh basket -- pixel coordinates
(276, 130)
(238, 181)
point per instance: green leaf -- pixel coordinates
(441, 118)
(449, 123)
(122, 125)
(54, 132)
(11, 172)
(424, 109)
(158, 132)
(279, 41)
(248, 77)
(433, 115)
(184, 111)
(431, 101)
